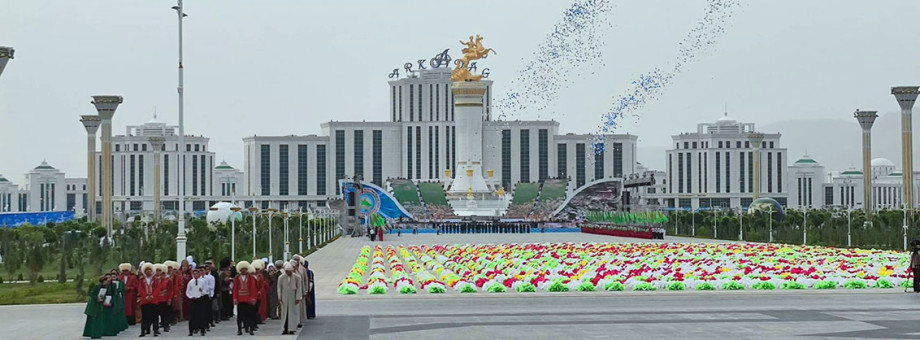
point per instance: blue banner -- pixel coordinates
(373, 199)
(37, 218)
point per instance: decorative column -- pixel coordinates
(468, 96)
(906, 96)
(105, 106)
(756, 139)
(6, 53)
(91, 123)
(157, 144)
(866, 119)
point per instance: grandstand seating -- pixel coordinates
(435, 200)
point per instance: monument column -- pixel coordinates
(468, 100)
(906, 96)
(756, 139)
(866, 119)
(157, 144)
(105, 106)
(91, 123)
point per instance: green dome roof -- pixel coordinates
(806, 161)
(223, 166)
(896, 174)
(851, 172)
(44, 166)
(3, 180)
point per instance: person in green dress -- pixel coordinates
(117, 311)
(95, 311)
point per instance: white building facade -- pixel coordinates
(419, 143)
(713, 167)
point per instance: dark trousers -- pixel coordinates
(215, 310)
(165, 313)
(206, 310)
(149, 317)
(196, 316)
(226, 305)
(245, 316)
(916, 280)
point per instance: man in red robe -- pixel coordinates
(244, 298)
(130, 281)
(147, 288)
(262, 288)
(165, 290)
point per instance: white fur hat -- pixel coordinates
(160, 267)
(171, 264)
(124, 266)
(288, 266)
(258, 264)
(146, 265)
(297, 257)
(241, 265)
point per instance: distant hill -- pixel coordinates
(835, 143)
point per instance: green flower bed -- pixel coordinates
(407, 289)
(676, 285)
(825, 285)
(436, 289)
(883, 283)
(558, 286)
(645, 286)
(467, 288)
(793, 285)
(348, 290)
(614, 286)
(764, 285)
(497, 288)
(732, 285)
(377, 290)
(526, 288)
(706, 286)
(586, 287)
(855, 284)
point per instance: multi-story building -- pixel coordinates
(714, 167)
(806, 178)
(845, 188)
(418, 142)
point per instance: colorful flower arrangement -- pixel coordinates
(585, 267)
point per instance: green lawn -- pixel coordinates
(39, 293)
(525, 193)
(405, 192)
(433, 193)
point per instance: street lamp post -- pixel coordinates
(805, 226)
(300, 222)
(235, 210)
(715, 225)
(287, 243)
(180, 237)
(740, 224)
(253, 211)
(692, 222)
(904, 209)
(270, 213)
(771, 224)
(849, 236)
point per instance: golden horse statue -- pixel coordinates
(473, 51)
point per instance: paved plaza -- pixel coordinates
(833, 314)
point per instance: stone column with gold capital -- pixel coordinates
(468, 101)
(157, 144)
(105, 106)
(866, 119)
(906, 96)
(91, 123)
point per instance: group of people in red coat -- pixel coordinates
(163, 294)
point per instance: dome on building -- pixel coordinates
(851, 173)
(44, 166)
(220, 213)
(725, 119)
(3, 180)
(806, 160)
(224, 166)
(767, 205)
(882, 162)
(896, 174)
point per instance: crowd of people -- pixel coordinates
(161, 295)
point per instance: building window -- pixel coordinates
(769, 172)
(728, 173)
(671, 172)
(694, 145)
(418, 147)
(741, 171)
(689, 172)
(321, 169)
(720, 144)
(420, 103)
(430, 151)
(453, 143)
(771, 145)
(750, 176)
(437, 101)
(706, 172)
(680, 172)
(71, 201)
(618, 160)
(165, 175)
(409, 152)
(431, 102)
(140, 174)
(302, 164)
(747, 145)
(131, 173)
(400, 104)
(525, 155)
(393, 102)
(543, 140)
(284, 167)
(699, 173)
(339, 158)
(506, 158)
(411, 103)
(561, 161)
(738, 144)
(378, 157)
(810, 201)
(779, 171)
(194, 175)
(447, 164)
(599, 161)
(266, 159)
(579, 164)
(437, 150)
(359, 153)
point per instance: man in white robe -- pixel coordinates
(297, 263)
(290, 298)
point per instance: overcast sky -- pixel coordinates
(283, 67)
